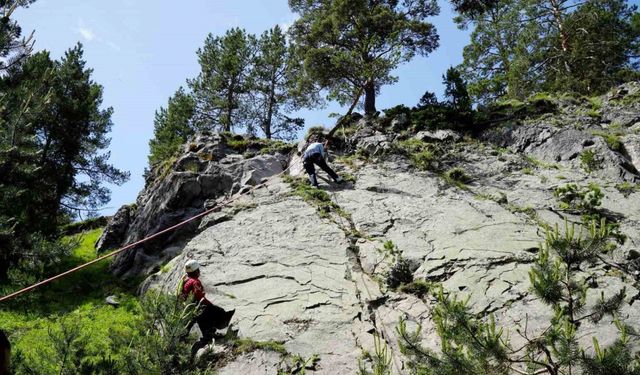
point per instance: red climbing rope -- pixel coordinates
(127, 247)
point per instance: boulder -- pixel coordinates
(440, 135)
(113, 235)
(631, 144)
(400, 122)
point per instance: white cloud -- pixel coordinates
(86, 33)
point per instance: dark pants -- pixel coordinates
(211, 318)
(318, 160)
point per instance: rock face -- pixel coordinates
(207, 172)
(313, 280)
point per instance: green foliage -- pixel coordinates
(422, 154)
(612, 139)
(585, 198)
(254, 146)
(400, 272)
(630, 99)
(85, 225)
(172, 127)
(70, 317)
(429, 113)
(78, 342)
(381, 360)
(555, 281)
(456, 91)
(352, 46)
(275, 86)
(469, 345)
(299, 365)
(224, 81)
(314, 196)
(627, 188)
(504, 109)
(616, 359)
(419, 288)
(475, 345)
(596, 103)
(53, 131)
(590, 161)
(248, 345)
(457, 177)
(521, 46)
(539, 163)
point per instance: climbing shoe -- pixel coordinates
(313, 180)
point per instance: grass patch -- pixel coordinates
(421, 154)
(72, 304)
(241, 346)
(251, 147)
(314, 196)
(612, 139)
(165, 268)
(418, 288)
(590, 161)
(631, 98)
(627, 188)
(353, 161)
(595, 102)
(456, 177)
(540, 164)
(165, 167)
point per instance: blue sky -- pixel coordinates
(143, 50)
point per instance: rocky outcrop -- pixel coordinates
(114, 233)
(309, 282)
(210, 170)
(308, 272)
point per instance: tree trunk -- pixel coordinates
(557, 15)
(269, 120)
(230, 93)
(564, 38)
(369, 98)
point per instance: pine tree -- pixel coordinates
(172, 127)
(276, 71)
(498, 58)
(456, 91)
(221, 87)
(520, 47)
(51, 162)
(13, 49)
(351, 46)
(602, 43)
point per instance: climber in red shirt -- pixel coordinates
(210, 317)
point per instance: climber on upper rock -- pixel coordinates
(316, 154)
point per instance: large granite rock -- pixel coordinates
(315, 282)
(207, 173)
(306, 281)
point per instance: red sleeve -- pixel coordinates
(195, 286)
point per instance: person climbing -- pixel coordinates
(5, 354)
(316, 154)
(210, 316)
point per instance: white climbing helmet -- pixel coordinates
(191, 266)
